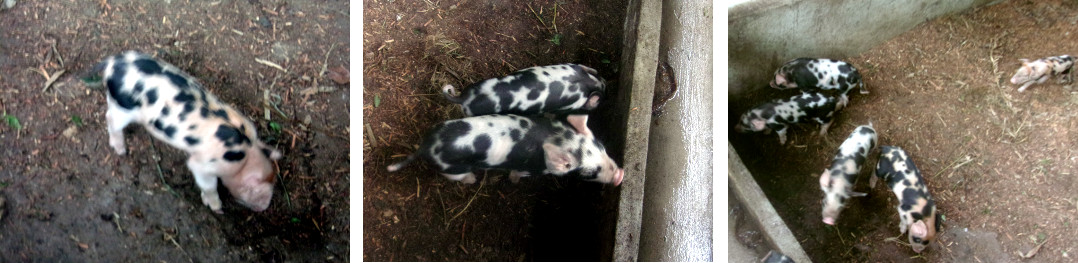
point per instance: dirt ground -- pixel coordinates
(69, 198)
(1000, 164)
(410, 50)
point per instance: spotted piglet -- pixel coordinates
(838, 180)
(523, 145)
(916, 209)
(1040, 70)
(174, 108)
(565, 88)
(777, 114)
(820, 74)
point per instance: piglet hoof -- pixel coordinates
(515, 176)
(469, 179)
(119, 148)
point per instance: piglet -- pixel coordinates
(777, 114)
(524, 145)
(820, 74)
(838, 180)
(916, 209)
(174, 108)
(564, 88)
(1040, 70)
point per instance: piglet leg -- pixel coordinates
(207, 182)
(782, 135)
(514, 176)
(466, 178)
(116, 122)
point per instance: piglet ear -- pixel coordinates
(919, 229)
(558, 160)
(825, 179)
(589, 70)
(593, 101)
(1024, 61)
(580, 123)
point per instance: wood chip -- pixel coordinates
(271, 64)
(339, 75)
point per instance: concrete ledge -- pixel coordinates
(760, 208)
(637, 83)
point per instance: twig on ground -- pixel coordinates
(51, 79)
(157, 161)
(325, 62)
(537, 15)
(271, 64)
(1035, 249)
(481, 183)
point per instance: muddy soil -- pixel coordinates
(70, 198)
(410, 50)
(1000, 164)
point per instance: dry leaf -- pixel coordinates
(339, 75)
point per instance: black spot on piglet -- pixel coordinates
(176, 79)
(191, 140)
(151, 96)
(482, 143)
(234, 156)
(231, 136)
(148, 66)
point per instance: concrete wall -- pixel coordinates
(766, 33)
(677, 212)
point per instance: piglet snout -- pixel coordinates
(618, 176)
(829, 220)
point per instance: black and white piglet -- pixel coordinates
(565, 88)
(916, 209)
(819, 74)
(523, 145)
(838, 180)
(221, 142)
(1040, 70)
(778, 114)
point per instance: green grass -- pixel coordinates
(556, 39)
(275, 127)
(11, 121)
(76, 120)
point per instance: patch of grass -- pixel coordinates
(986, 211)
(11, 121)
(4, 184)
(556, 39)
(275, 127)
(76, 120)
(377, 100)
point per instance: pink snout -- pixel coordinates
(618, 176)
(829, 220)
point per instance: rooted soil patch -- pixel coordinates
(411, 49)
(999, 163)
(70, 198)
